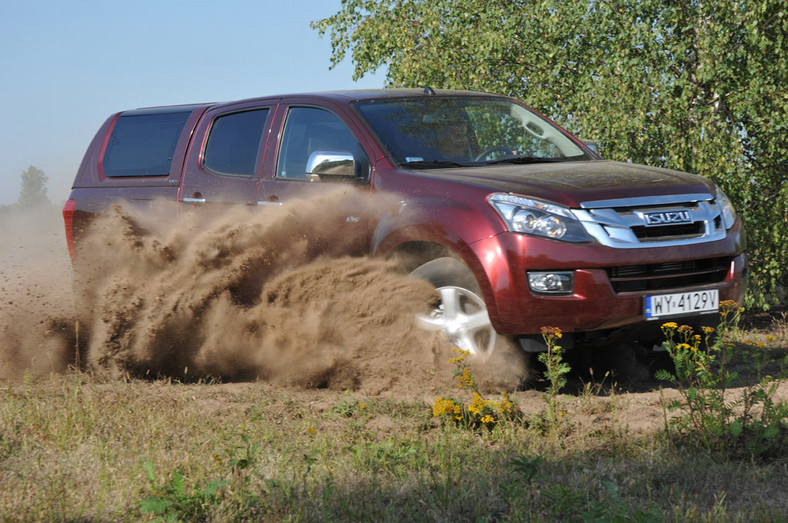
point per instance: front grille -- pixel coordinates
(655, 221)
(669, 275)
(669, 232)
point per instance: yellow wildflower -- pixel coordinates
(554, 332)
(443, 406)
(446, 406)
(505, 406)
(729, 306)
(465, 379)
(478, 403)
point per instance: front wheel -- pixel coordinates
(460, 313)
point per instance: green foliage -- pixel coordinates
(753, 426)
(171, 500)
(569, 504)
(349, 407)
(695, 86)
(563, 502)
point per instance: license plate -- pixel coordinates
(681, 303)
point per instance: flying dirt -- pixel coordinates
(276, 296)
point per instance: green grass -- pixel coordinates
(77, 449)
(80, 447)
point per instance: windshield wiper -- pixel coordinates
(433, 164)
(527, 159)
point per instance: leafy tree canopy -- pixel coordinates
(699, 86)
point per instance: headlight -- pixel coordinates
(726, 209)
(529, 216)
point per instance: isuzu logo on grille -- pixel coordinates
(667, 217)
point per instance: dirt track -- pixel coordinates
(319, 321)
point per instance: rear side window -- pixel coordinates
(234, 141)
(143, 145)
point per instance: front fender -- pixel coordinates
(442, 221)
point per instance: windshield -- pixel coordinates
(448, 131)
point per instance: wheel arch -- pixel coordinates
(411, 255)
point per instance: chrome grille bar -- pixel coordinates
(622, 223)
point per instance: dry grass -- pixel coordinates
(76, 446)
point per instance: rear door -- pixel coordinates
(224, 163)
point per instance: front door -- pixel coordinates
(342, 211)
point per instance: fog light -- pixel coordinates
(551, 282)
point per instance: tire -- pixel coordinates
(461, 313)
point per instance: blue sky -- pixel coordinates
(67, 65)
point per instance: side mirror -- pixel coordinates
(591, 144)
(330, 166)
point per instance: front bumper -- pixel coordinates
(501, 263)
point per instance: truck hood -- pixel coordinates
(572, 183)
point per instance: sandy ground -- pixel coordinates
(317, 321)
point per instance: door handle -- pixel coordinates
(272, 200)
(196, 198)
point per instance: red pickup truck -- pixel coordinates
(516, 223)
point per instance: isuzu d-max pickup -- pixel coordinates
(517, 224)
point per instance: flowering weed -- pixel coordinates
(480, 412)
(754, 425)
(556, 369)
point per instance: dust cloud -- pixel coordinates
(36, 323)
(283, 296)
